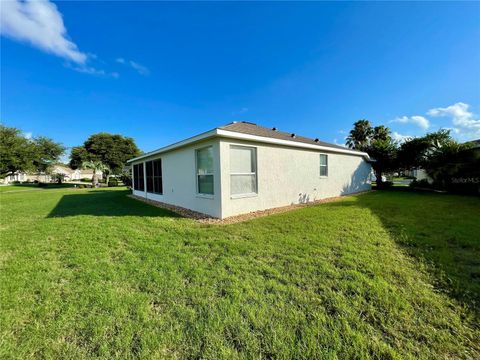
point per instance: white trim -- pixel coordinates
(255, 159)
(241, 196)
(321, 165)
(199, 194)
(240, 136)
(205, 196)
(176, 145)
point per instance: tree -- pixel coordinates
(18, 153)
(111, 150)
(58, 178)
(78, 155)
(96, 166)
(411, 153)
(418, 152)
(360, 135)
(442, 158)
(47, 153)
(378, 143)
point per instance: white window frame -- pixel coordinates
(199, 194)
(255, 173)
(320, 165)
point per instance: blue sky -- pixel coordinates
(160, 72)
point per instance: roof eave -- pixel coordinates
(179, 144)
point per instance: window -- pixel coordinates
(138, 183)
(149, 171)
(154, 176)
(323, 165)
(157, 177)
(204, 160)
(243, 170)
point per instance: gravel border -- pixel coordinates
(206, 219)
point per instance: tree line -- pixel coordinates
(450, 164)
(103, 153)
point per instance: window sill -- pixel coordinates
(323, 177)
(205, 196)
(156, 194)
(242, 196)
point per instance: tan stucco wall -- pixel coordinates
(291, 175)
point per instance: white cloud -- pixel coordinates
(27, 135)
(467, 125)
(399, 137)
(40, 24)
(416, 120)
(142, 70)
(84, 69)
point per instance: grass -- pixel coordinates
(94, 274)
(29, 187)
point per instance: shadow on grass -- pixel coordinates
(105, 203)
(442, 230)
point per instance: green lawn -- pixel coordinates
(94, 274)
(25, 187)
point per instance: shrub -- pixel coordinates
(81, 186)
(384, 185)
(42, 184)
(112, 182)
(126, 178)
(421, 184)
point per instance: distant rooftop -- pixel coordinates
(475, 143)
(248, 128)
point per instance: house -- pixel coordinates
(242, 167)
(418, 174)
(67, 172)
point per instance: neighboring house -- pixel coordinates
(418, 174)
(69, 175)
(80, 174)
(18, 176)
(242, 167)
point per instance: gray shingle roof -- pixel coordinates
(247, 128)
(253, 129)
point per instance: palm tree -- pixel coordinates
(96, 166)
(381, 133)
(360, 135)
